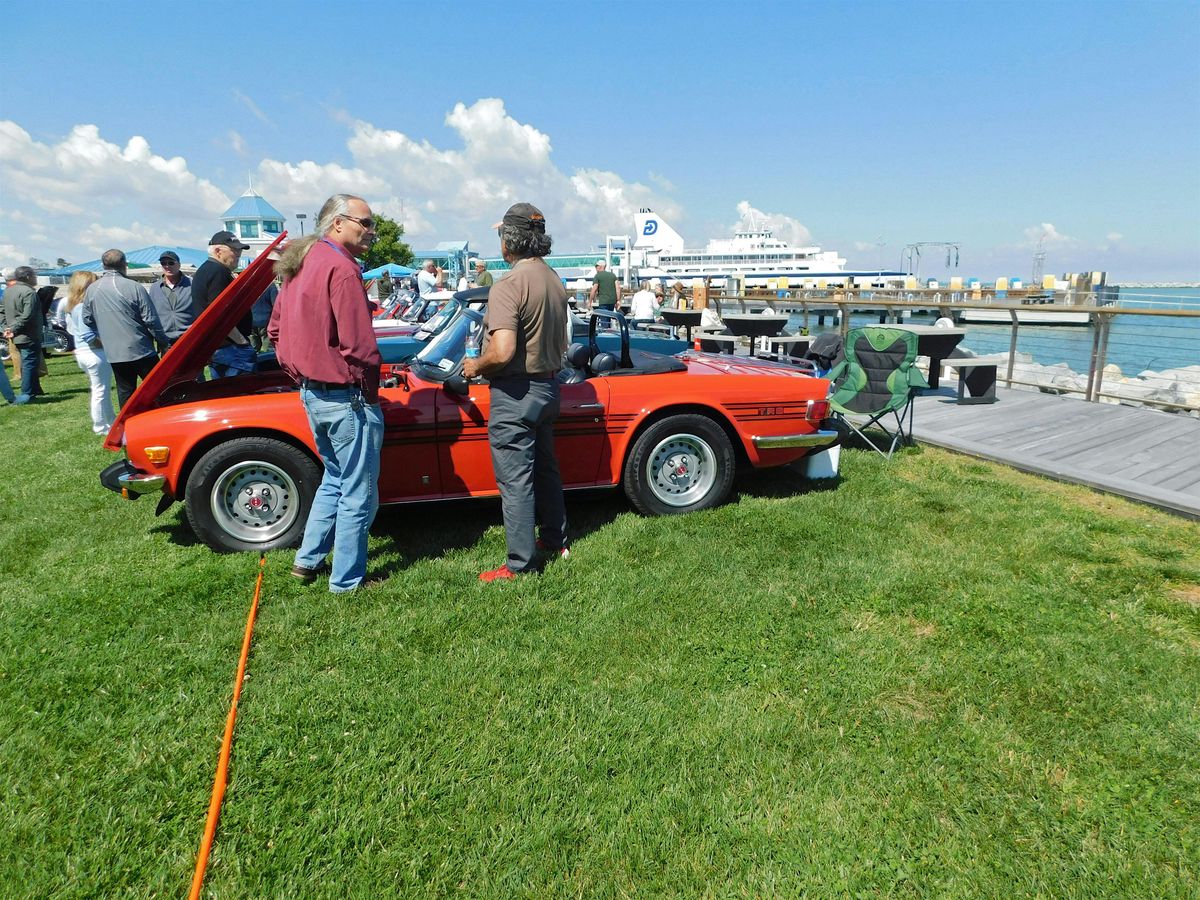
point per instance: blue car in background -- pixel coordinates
(396, 349)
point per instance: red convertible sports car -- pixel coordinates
(670, 430)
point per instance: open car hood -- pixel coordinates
(191, 353)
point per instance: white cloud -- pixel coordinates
(85, 189)
(785, 227)
(1046, 233)
(68, 193)
(252, 106)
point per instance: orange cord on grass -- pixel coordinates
(222, 776)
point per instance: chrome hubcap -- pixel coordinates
(681, 469)
(255, 501)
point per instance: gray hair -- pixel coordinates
(337, 205)
(292, 257)
(428, 263)
(26, 274)
(601, 264)
(522, 242)
(113, 259)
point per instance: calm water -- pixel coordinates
(1135, 342)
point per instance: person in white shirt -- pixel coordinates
(643, 307)
(429, 279)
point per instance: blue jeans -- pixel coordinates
(232, 360)
(349, 435)
(31, 360)
(6, 390)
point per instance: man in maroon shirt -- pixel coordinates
(321, 329)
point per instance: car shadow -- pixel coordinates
(417, 531)
(427, 531)
(781, 481)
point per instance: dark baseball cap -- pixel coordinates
(525, 216)
(228, 239)
(169, 254)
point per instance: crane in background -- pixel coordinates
(1039, 261)
(910, 256)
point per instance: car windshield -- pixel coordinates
(413, 313)
(442, 356)
(437, 322)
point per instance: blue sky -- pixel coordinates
(859, 127)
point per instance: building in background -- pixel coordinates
(255, 221)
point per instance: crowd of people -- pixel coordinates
(118, 328)
(319, 322)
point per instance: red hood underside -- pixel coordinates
(191, 353)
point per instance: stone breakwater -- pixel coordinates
(1169, 390)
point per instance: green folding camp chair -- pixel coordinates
(878, 378)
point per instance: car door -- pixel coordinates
(580, 437)
(409, 465)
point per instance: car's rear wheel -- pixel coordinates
(678, 465)
(251, 493)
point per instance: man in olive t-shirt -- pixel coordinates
(525, 336)
(606, 292)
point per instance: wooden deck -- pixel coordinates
(1139, 453)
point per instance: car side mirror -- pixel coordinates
(457, 384)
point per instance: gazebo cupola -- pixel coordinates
(254, 220)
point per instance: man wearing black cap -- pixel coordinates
(172, 297)
(525, 336)
(224, 250)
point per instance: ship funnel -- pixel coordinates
(653, 233)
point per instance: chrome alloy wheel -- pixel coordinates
(254, 501)
(681, 469)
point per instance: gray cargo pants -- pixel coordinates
(521, 436)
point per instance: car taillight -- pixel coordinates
(817, 410)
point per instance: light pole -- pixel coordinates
(300, 217)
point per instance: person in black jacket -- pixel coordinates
(235, 355)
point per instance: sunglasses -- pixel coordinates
(365, 223)
(167, 262)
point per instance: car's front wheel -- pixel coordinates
(680, 464)
(251, 493)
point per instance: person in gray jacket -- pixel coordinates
(172, 297)
(119, 310)
(21, 321)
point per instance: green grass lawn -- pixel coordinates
(941, 677)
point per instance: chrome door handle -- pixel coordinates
(589, 406)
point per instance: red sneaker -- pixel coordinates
(501, 574)
(561, 552)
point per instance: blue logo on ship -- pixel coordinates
(650, 227)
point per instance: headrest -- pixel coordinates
(603, 362)
(577, 355)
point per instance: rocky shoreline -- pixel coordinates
(1178, 388)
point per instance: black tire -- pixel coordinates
(679, 465)
(251, 493)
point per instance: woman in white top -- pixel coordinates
(89, 354)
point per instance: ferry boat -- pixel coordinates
(753, 257)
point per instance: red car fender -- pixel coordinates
(185, 428)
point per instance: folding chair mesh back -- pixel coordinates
(877, 379)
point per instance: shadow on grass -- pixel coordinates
(427, 531)
(782, 481)
(174, 524)
(418, 531)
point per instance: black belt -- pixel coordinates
(313, 384)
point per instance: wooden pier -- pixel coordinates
(1139, 453)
